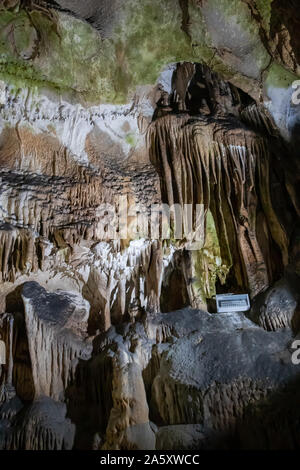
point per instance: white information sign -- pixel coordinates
(232, 303)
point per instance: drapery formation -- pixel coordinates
(215, 160)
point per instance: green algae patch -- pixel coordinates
(131, 140)
(235, 35)
(149, 37)
(77, 59)
(265, 10)
(71, 55)
(202, 45)
(68, 56)
(18, 37)
(279, 77)
(208, 263)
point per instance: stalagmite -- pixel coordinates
(56, 336)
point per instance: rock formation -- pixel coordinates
(148, 161)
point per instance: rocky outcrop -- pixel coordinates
(172, 386)
(277, 307)
(40, 426)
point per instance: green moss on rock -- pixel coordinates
(279, 77)
(148, 37)
(265, 10)
(75, 59)
(131, 140)
(71, 56)
(208, 263)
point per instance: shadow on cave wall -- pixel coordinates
(22, 370)
(273, 423)
(89, 398)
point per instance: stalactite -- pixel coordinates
(120, 279)
(214, 163)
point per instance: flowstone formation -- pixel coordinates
(148, 161)
(212, 151)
